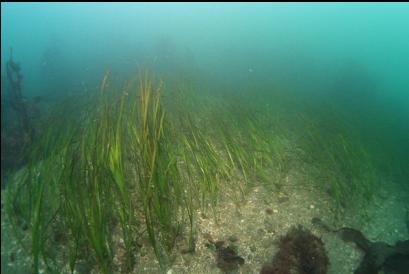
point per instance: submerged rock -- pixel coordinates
(233, 238)
(227, 258)
(379, 256)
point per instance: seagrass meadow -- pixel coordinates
(204, 138)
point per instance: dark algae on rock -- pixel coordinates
(300, 252)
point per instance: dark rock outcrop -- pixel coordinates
(379, 256)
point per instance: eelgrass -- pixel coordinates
(344, 168)
(145, 162)
(155, 163)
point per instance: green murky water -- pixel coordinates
(190, 138)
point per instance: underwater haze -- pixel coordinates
(204, 137)
(313, 41)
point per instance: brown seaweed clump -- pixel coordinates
(300, 252)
